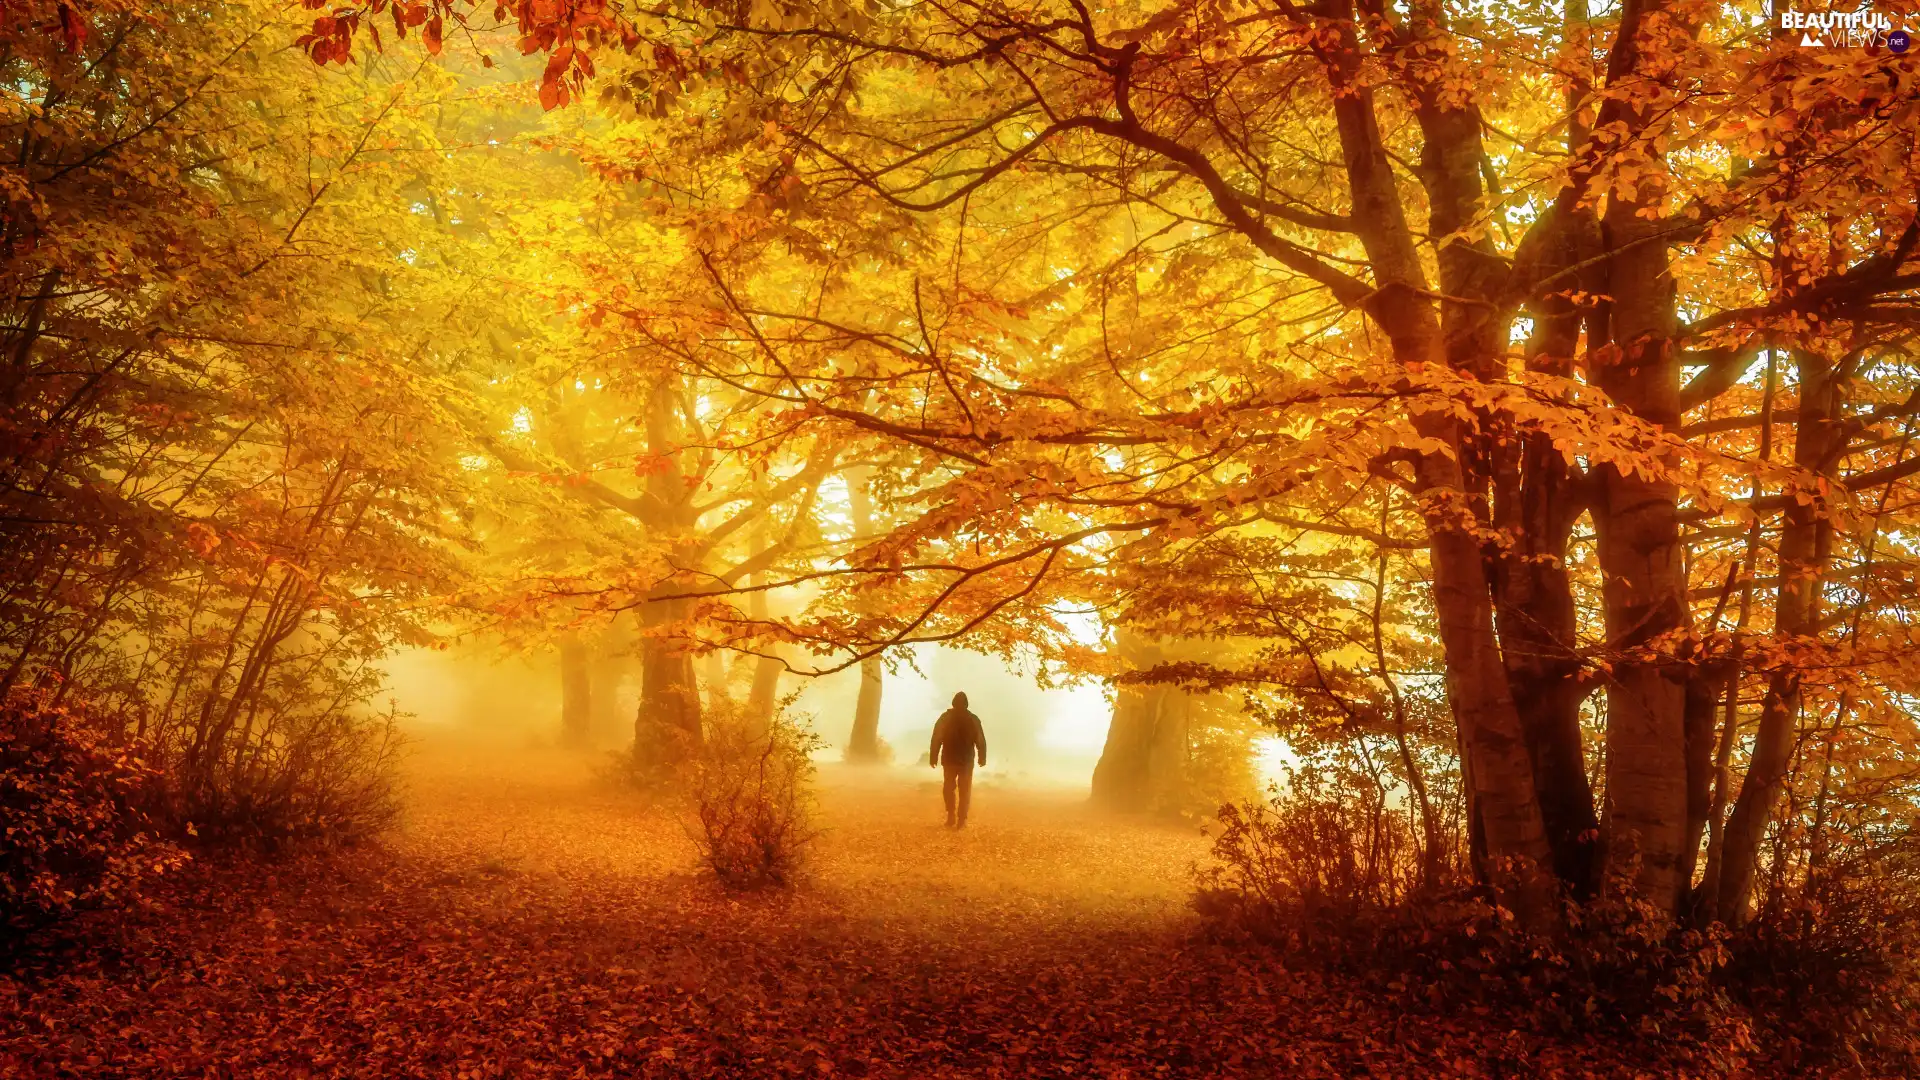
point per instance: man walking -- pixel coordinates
(957, 741)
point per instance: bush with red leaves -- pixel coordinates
(74, 832)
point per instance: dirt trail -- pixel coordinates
(529, 921)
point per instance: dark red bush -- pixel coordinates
(74, 830)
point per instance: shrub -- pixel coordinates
(325, 776)
(1337, 883)
(74, 829)
(1830, 964)
(749, 798)
(1308, 864)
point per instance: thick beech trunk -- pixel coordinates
(1121, 777)
(1144, 757)
(1536, 620)
(1506, 806)
(1637, 527)
(1539, 496)
(667, 727)
(1145, 752)
(1631, 355)
(1495, 763)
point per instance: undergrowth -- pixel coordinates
(75, 831)
(1822, 977)
(749, 799)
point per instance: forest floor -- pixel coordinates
(528, 920)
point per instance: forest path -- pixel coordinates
(1033, 856)
(528, 920)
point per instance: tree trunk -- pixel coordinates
(1505, 804)
(1141, 760)
(1636, 515)
(1702, 702)
(714, 679)
(1805, 551)
(765, 694)
(666, 729)
(606, 669)
(1121, 777)
(1432, 846)
(1637, 526)
(1515, 486)
(863, 743)
(576, 692)
(1535, 617)
(1495, 764)
(1141, 764)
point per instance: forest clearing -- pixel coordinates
(528, 921)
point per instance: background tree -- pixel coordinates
(230, 476)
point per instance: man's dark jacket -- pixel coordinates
(957, 738)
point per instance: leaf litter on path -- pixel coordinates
(527, 921)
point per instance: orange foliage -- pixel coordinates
(74, 826)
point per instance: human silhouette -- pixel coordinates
(957, 741)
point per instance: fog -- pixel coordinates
(1036, 736)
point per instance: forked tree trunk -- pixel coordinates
(1631, 355)
(1506, 806)
(1521, 488)
(1494, 763)
(1637, 527)
(1536, 620)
